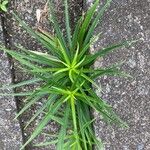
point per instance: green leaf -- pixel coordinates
(75, 35)
(87, 20)
(95, 22)
(47, 37)
(21, 83)
(64, 53)
(32, 99)
(36, 36)
(28, 105)
(18, 56)
(5, 2)
(84, 117)
(52, 41)
(57, 29)
(3, 8)
(75, 56)
(46, 143)
(63, 130)
(49, 101)
(104, 109)
(87, 47)
(111, 72)
(42, 58)
(103, 52)
(67, 23)
(60, 91)
(17, 94)
(74, 118)
(89, 80)
(45, 55)
(43, 123)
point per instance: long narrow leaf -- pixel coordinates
(57, 29)
(87, 21)
(32, 33)
(43, 123)
(49, 101)
(67, 21)
(17, 94)
(21, 84)
(42, 58)
(95, 22)
(63, 130)
(103, 52)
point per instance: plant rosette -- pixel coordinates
(67, 79)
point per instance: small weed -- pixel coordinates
(3, 5)
(67, 77)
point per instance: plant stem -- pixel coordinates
(75, 123)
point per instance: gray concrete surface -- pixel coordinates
(10, 133)
(127, 19)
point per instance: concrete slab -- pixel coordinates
(10, 132)
(125, 20)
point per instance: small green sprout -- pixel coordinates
(3, 5)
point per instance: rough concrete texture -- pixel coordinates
(128, 19)
(10, 133)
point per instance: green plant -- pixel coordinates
(3, 5)
(67, 77)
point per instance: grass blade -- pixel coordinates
(75, 35)
(17, 94)
(49, 101)
(19, 57)
(95, 22)
(32, 33)
(46, 143)
(43, 123)
(67, 23)
(57, 29)
(87, 47)
(62, 133)
(21, 83)
(32, 99)
(103, 52)
(87, 20)
(40, 57)
(63, 51)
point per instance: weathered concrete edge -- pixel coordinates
(10, 131)
(126, 20)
